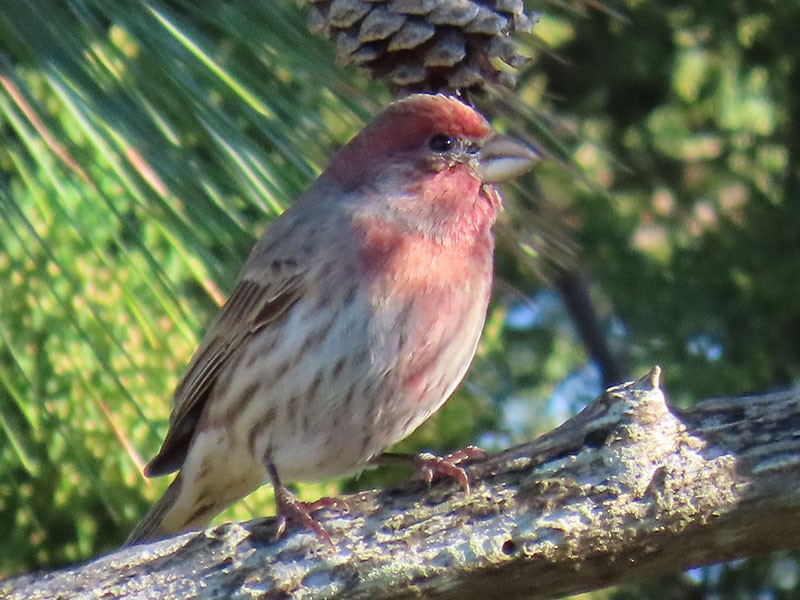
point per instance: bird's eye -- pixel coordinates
(441, 143)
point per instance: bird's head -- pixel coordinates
(431, 133)
(429, 162)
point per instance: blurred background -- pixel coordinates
(144, 147)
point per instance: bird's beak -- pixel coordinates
(501, 158)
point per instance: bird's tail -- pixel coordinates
(152, 527)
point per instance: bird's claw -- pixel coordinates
(290, 508)
(431, 466)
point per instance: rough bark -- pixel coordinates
(630, 487)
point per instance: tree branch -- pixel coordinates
(630, 487)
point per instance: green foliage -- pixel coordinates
(146, 145)
(687, 115)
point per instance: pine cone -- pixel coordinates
(425, 45)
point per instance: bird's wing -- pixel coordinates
(258, 300)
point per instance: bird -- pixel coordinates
(353, 320)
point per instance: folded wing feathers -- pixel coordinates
(252, 306)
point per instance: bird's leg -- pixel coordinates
(431, 466)
(290, 508)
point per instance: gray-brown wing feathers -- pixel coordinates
(256, 302)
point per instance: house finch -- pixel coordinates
(353, 320)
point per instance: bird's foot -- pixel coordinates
(432, 466)
(289, 508)
(449, 465)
